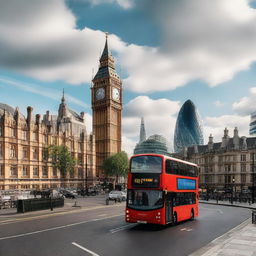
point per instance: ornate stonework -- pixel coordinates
(23, 141)
(106, 95)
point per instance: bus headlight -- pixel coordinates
(127, 211)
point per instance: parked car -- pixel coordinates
(68, 194)
(117, 195)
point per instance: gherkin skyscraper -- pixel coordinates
(188, 129)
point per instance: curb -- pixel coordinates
(211, 249)
(231, 205)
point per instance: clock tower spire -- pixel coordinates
(106, 94)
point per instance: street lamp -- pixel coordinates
(232, 192)
(253, 178)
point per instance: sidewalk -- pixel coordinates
(239, 241)
(227, 203)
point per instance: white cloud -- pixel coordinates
(246, 105)
(216, 126)
(159, 117)
(126, 4)
(203, 39)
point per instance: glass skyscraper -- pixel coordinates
(253, 124)
(188, 130)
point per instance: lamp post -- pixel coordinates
(253, 178)
(232, 192)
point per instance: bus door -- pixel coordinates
(169, 207)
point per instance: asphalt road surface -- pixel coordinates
(104, 232)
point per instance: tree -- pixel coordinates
(62, 159)
(116, 165)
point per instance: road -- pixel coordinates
(103, 231)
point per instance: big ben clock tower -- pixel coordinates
(106, 95)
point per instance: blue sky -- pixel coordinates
(166, 52)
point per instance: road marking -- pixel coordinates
(186, 229)
(101, 215)
(114, 230)
(4, 222)
(55, 228)
(87, 250)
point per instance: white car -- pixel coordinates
(117, 195)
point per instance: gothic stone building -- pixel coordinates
(23, 164)
(106, 94)
(225, 165)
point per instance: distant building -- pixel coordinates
(154, 144)
(23, 140)
(225, 165)
(252, 130)
(188, 129)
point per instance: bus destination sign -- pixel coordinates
(145, 180)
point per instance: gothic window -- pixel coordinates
(13, 170)
(25, 170)
(80, 158)
(25, 152)
(1, 150)
(54, 171)
(1, 170)
(13, 151)
(1, 131)
(35, 171)
(45, 171)
(35, 153)
(80, 173)
(13, 132)
(45, 138)
(44, 154)
(35, 136)
(24, 135)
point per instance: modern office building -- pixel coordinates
(252, 130)
(188, 129)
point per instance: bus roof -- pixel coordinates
(166, 157)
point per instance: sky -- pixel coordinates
(166, 52)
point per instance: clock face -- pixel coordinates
(100, 94)
(115, 94)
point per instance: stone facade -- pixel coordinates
(106, 94)
(229, 164)
(23, 140)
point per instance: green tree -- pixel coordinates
(116, 165)
(62, 159)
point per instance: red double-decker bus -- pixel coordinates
(161, 190)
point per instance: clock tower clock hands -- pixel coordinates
(106, 109)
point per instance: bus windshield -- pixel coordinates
(146, 164)
(145, 199)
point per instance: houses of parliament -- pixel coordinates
(23, 139)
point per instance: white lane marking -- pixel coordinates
(114, 230)
(186, 229)
(59, 227)
(87, 250)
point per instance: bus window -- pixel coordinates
(146, 164)
(178, 168)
